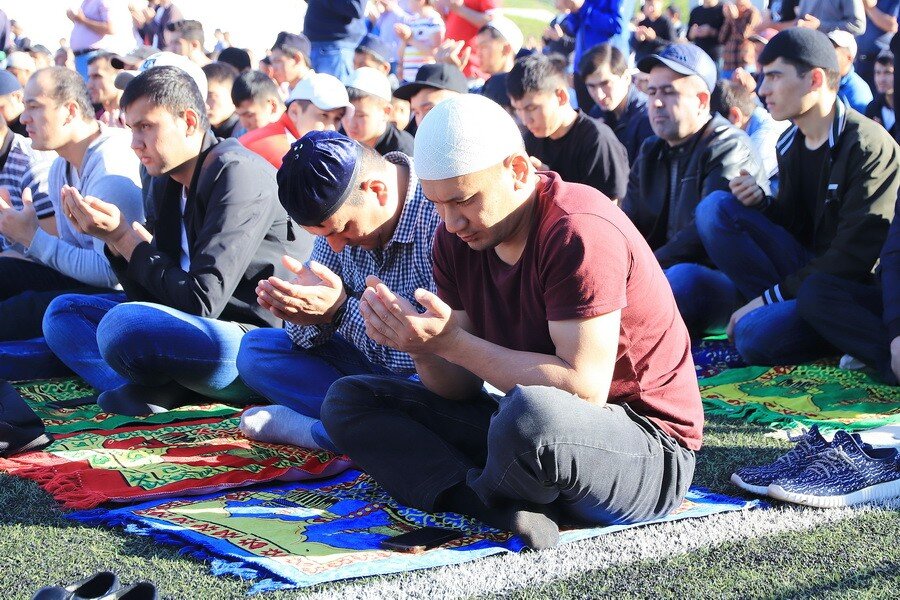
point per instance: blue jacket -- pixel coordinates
(600, 21)
(633, 127)
(855, 91)
(890, 278)
(335, 21)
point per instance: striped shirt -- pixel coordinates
(26, 167)
(404, 264)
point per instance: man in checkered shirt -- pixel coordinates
(372, 220)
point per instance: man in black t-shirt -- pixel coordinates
(703, 28)
(559, 138)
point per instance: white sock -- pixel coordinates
(276, 424)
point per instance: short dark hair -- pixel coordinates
(68, 86)
(600, 55)
(832, 78)
(219, 72)
(169, 87)
(729, 94)
(255, 86)
(536, 73)
(98, 56)
(492, 31)
(357, 94)
(371, 162)
(885, 58)
(188, 29)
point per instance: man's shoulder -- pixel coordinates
(230, 154)
(861, 131)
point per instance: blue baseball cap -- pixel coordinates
(8, 83)
(317, 175)
(686, 59)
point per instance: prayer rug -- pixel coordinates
(132, 464)
(61, 421)
(789, 397)
(712, 356)
(302, 534)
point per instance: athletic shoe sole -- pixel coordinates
(761, 490)
(873, 493)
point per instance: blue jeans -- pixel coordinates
(109, 343)
(283, 373)
(705, 297)
(756, 254)
(333, 58)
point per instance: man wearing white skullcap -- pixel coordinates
(549, 293)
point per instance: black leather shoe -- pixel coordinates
(142, 590)
(98, 585)
(136, 400)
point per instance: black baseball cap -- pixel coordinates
(440, 76)
(686, 59)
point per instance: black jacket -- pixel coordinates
(237, 232)
(706, 163)
(857, 195)
(873, 111)
(633, 128)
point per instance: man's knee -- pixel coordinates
(529, 414)
(58, 308)
(715, 209)
(817, 296)
(252, 361)
(753, 342)
(126, 327)
(345, 401)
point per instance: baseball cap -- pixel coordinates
(509, 31)
(167, 59)
(808, 46)
(375, 46)
(686, 59)
(843, 39)
(133, 59)
(325, 91)
(317, 175)
(8, 83)
(441, 76)
(464, 134)
(372, 82)
(293, 42)
(763, 36)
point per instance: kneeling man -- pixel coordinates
(551, 295)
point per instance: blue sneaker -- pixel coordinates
(848, 473)
(757, 479)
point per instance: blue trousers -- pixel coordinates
(706, 298)
(756, 254)
(333, 58)
(109, 343)
(283, 373)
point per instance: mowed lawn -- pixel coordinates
(775, 553)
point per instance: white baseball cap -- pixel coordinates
(20, 60)
(167, 59)
(843, 39)
(509, 31)
(371, 81)
(325, 91)
(464, 134)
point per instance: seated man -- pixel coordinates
(256, 100)
(739, 105)
(190, 280)
(101, 85)
(881, 109)
(693, 155)
(839, 179)
(620, 104)
(496, 45)
(372, 222)
(219, 80)
(290, 60)
(370, 122)
(549, 293)
(94, 159)
(858, 319)
(852, 89)
(559, 138)
(318, 103)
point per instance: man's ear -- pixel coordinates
(520, 166)
(192, 119)
(735, 116)
(562, 96)
(377, 187)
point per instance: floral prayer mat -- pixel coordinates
(301, 534)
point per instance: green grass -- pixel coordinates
(39, 546)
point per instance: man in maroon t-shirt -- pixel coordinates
(549, 293)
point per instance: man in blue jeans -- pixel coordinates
(371, 218)
(838, 186)
(334, 29)
(189, 277)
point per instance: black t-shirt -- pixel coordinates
(394, 140)
(589, 153)
(715, 18)
(226, 129)
(809, 179)
(665, 35)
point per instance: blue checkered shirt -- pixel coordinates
(404, 264)
(26, 167)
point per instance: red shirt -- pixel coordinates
(583, 258)
(272, 141)
(458, 28)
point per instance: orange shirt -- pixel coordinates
(273, 140)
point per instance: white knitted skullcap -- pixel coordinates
(464, 134)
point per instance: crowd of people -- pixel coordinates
(473, 262)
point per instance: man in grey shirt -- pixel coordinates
(93, 159)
